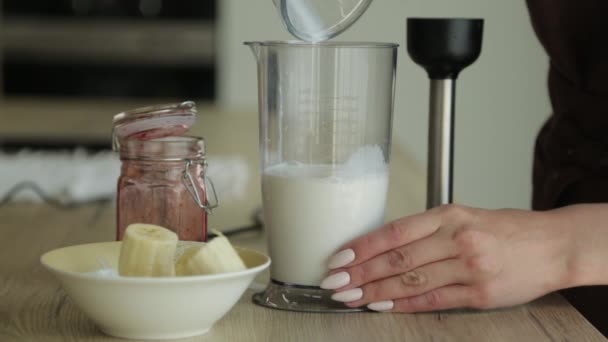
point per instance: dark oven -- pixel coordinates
(126, 48)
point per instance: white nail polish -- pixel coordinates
(381, 306)
(341, 259)
(335, 281)
(348, 295)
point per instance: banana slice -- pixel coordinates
(147, 251)
(215, 256)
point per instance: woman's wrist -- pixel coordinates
(554, 249)
(583, 232)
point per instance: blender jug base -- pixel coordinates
(281, 296)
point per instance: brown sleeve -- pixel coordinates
(573, 144)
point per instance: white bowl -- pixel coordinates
(148, 308)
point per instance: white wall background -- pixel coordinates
(501, 100)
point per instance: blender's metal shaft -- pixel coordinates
(441, 142)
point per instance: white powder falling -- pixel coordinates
(366, 160)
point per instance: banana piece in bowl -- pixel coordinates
(147, 251)
(215, 256)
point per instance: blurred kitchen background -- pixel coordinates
(68, 65)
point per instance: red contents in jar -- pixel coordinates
(152, 191)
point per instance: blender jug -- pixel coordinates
(325, 133)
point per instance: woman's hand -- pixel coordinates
(453, 257)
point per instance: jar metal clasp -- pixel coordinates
(189, 183)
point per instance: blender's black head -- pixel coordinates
(444, 46)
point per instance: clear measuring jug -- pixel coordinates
(325, 134)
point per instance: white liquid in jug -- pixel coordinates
(311, 210)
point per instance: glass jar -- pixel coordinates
(162, 182)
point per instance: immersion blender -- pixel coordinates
(443, 47)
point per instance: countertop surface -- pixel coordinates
(33, 307)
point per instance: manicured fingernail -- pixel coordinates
(381, 306)
(341, 259)
(348, 295)
(335, 281)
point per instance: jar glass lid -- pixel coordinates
(318, 20)
(153, 122)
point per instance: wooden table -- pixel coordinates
(34, 308)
